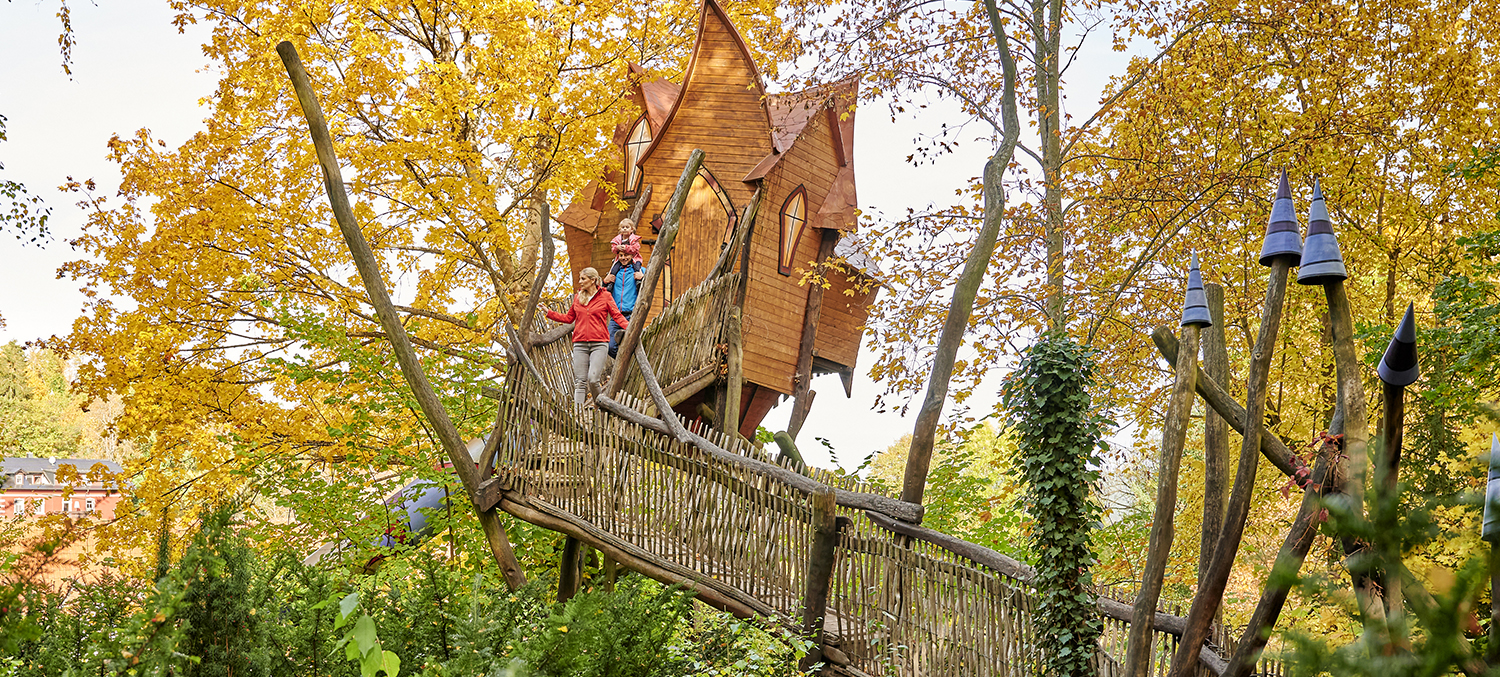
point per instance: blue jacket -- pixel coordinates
(625, 287)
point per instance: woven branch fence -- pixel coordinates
(897, 606)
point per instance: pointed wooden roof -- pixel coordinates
(712, 18)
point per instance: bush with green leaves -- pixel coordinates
(224, 609)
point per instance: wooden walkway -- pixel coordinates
(740, 529)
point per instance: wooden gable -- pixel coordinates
(720, 110)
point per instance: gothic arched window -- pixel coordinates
(793, 221)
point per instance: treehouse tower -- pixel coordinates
(798, 151)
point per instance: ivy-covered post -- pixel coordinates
(1059, 436)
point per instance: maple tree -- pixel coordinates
(248, 352)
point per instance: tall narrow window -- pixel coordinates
(635, 144)
(793, 219)
(88, 505)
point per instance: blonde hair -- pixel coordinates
(592, 274)
(625, 221)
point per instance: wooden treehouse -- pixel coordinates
(791, 154)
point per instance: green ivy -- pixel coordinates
(1060, 436)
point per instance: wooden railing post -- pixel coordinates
(819, 572)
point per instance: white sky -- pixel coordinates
(132, 69)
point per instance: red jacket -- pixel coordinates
(589, 318)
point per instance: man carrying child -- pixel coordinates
(623, 281)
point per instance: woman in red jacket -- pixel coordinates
(591, 307)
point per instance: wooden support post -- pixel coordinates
(734, 385)
(819, 572)
(1174, 433)
(789, 450)
(369, 273)
(1353, 405)
(1211, 584)
(1289, 560)
(802, 401)
(1391, 424)
(569, 569)
(727, 258)
(639, 210)
(1215, 430)
(659, 254)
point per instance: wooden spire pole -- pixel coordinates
(1281, 249)
(369, 273)
(1195, 316)
(1398, 369)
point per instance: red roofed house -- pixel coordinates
(796, 148)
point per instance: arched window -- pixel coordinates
(793, 221)
(635, 144)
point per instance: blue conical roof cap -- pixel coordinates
(1283, 236)
(1195, 305)
(1398, 367)
(1322, 262)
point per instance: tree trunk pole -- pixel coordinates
(1353, 467)
(659, 253)
(819, 573)
(369, 273)
(568, 571)
(1215, 430)
(734, 387)
(1174, 433)
(802, 401)
(544, 267)
(1211, 585)
(1391, 425)
(924, 432)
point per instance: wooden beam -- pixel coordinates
(406, 357)
(1216, 397)
(1211, 584)
(802, 401)
(659, 253)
